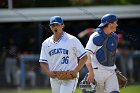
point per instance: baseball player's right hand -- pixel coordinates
(90, 77)
(52, 74)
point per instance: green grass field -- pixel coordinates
(128, 89)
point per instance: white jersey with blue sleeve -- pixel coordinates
(91, 47)
(64, 54)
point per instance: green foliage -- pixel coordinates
(51, 3)
(68, 3)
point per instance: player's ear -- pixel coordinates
(63, 25)
(112, 23)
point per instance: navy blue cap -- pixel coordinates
(107, 18)
(56, 20)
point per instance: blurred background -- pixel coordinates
(24, 25)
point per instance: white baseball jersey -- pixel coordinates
(91, 47)
(62, 55)
(104, 75)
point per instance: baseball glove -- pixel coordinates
(122, 80)
(66, 75)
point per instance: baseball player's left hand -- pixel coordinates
(122, 80)
(66, 75)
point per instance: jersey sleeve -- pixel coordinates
(43, 56)
(91, 47)
(80, 49)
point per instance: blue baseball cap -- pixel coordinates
(107, 18)
(56, 20)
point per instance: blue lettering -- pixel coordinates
(50, 53)
(65, 60)
(58, 51)
(55, 51)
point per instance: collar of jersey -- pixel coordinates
(59, 39)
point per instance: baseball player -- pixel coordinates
(61, 52)
(101, 48)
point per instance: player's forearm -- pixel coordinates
(44, 67)
(89, 67)
(89, 64)
(81, 63)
